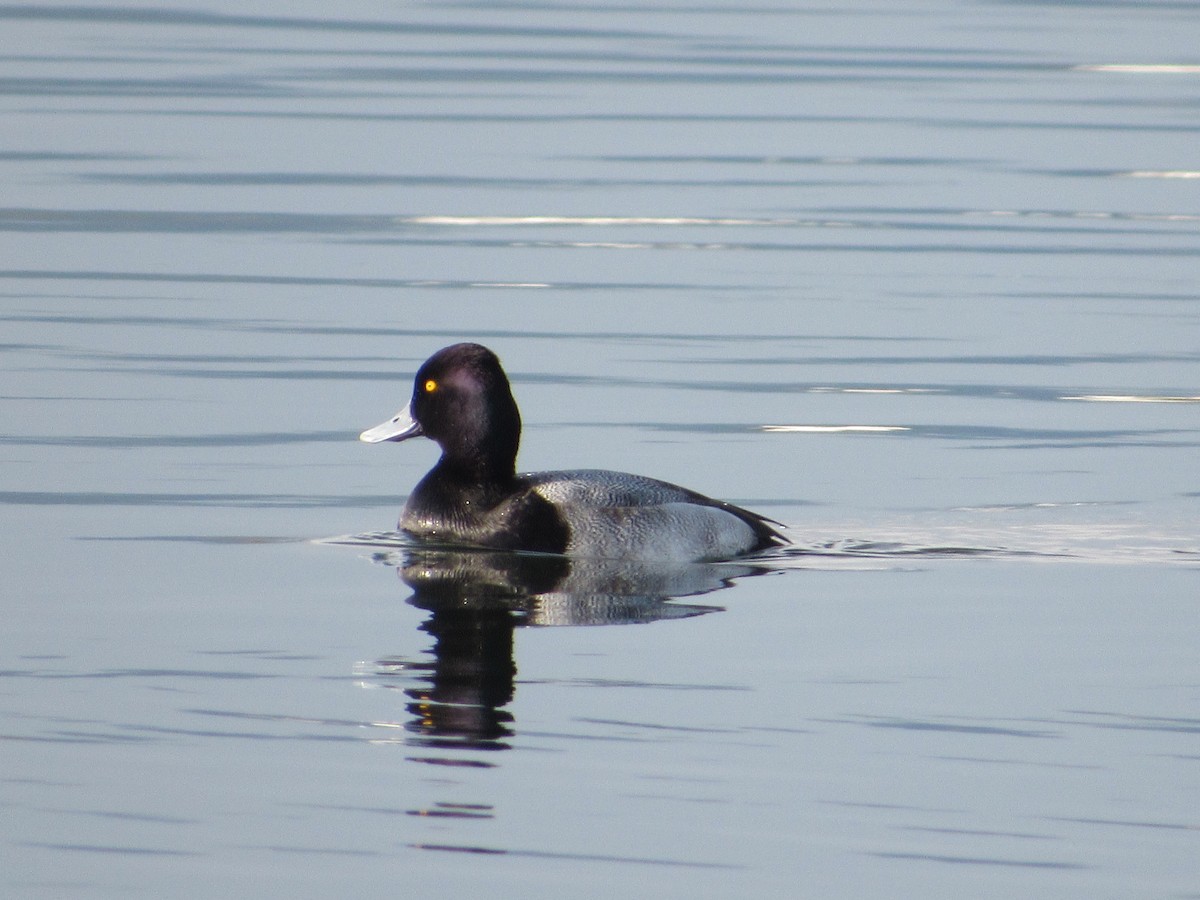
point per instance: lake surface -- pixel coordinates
(917, 279)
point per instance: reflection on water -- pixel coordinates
(917, 278)
(476, 599)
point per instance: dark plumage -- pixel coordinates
(462, 400)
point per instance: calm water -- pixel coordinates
(917, 279)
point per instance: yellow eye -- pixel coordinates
(430, 386)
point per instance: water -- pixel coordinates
(916, 279)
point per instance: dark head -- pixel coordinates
(461, 400)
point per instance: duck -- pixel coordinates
(474, 496)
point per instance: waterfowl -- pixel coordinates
(462, 400)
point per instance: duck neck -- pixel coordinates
(472, 469)
(483, 456)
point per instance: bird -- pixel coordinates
(462, 400)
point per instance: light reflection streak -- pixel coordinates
(1131, 398)
(832, 429)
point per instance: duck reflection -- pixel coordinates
(476, 599)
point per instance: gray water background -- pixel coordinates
(707, 240)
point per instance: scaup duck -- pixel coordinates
(462, 401)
